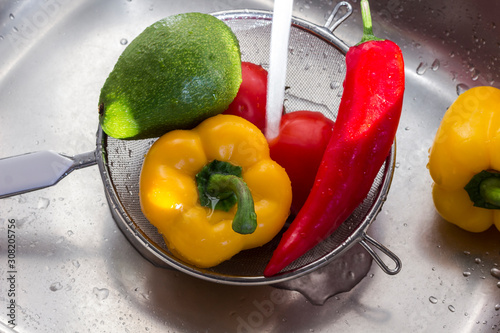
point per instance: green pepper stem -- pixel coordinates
(484, 189)
(367, 23)
(490, 190)
(245, 219)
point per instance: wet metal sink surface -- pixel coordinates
(74, 271)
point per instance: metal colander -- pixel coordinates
(315, 74)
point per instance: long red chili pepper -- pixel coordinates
(362, 136)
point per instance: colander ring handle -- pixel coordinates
(332, 24)
(366, 241)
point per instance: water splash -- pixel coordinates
(280, 34)
(340, 275)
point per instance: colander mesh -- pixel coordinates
(314, 82)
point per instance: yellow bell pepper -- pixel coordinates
(464, 161)
(170, 199)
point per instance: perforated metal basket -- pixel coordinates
(316, 71)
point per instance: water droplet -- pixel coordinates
(334, 84)
(466, 274)
(461, 88)
(101, 294)
(451, 308)
(146, 296)
(466, 253)
(475, 75)
(422, 68)
(43, 203)
(495, 272)
(76, 263)
(55, 286)
(11, 16)
(435, 65)
(407, 128)
(477, 260)
(433, 300)
(123, 41)
(70, 233)
(497, 307)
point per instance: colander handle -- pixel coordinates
(33, 171)
(366, 241)
(332, 24)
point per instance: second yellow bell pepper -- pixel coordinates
(464, 161)
(204, 236)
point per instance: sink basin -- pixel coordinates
(74, 271)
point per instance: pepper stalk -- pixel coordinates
(484, 189)
(368, 34)
(220, 186)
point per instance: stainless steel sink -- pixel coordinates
(76, 272)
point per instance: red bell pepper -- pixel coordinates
(250, 102)
(299, 148)
(362, 137)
